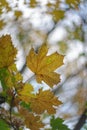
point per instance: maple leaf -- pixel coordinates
(44, 100)
(14, 78)
(43, 66)
(33, 122)
(7, 51)
(26, 93)
(57, 124)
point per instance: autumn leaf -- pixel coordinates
(73, 2)
(33, 122)
(33, 3)
(44, 100)
(57, 14)
(7, 51)
(53, 5)
(43, 66)
(26, 93)
(18, 14)
(2, 24)
(5, 4)
(14, 78)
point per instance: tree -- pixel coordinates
(21, 95)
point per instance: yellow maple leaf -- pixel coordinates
(7, 51)
(43, 66)
(44, 100)
(25, 94)
(14, 78)
(33, 122)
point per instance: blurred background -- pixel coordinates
(62, 24)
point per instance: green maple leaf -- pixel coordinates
(57, 124)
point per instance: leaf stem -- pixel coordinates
(11, 104)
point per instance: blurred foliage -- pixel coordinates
(73, 3)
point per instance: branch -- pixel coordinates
(59, 86)
(81, 121)
(10, 111)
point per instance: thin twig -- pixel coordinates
(11, 104)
